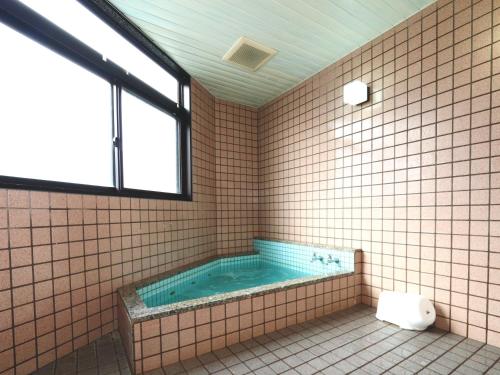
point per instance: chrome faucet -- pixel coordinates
(316, 257)
(322, 259)
(332, 259)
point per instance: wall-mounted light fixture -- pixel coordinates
(355, 92)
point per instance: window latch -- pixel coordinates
(116, 141)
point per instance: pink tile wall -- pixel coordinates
(237, 180)
(62, 256)
(411, 177)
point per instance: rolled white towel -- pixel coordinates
(409, 311)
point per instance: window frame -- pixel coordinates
(26, 21)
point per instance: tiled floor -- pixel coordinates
(103, 357)
(351, 341)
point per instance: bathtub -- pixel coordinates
(220, 301)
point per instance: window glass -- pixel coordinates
(150, 147)
(91, 30)
(186, 97)
(55, 116)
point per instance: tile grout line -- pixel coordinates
(469, 357)
(443, 334)
(442, 354)
(346, 344)
(305, 349)
(115, 350)
(493, 364)
(490, 181)
(319, 344)
(11, 281)
(272, 343)
(373, 344)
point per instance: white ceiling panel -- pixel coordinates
(308, 35)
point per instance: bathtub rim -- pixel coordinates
(137, 311)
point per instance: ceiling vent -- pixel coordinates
(249, 54)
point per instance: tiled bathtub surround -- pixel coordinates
(268, 253)
(302, 257)
(62, 256)
(156, 294)
(162, 335)
(412, 176)
(162, 341)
